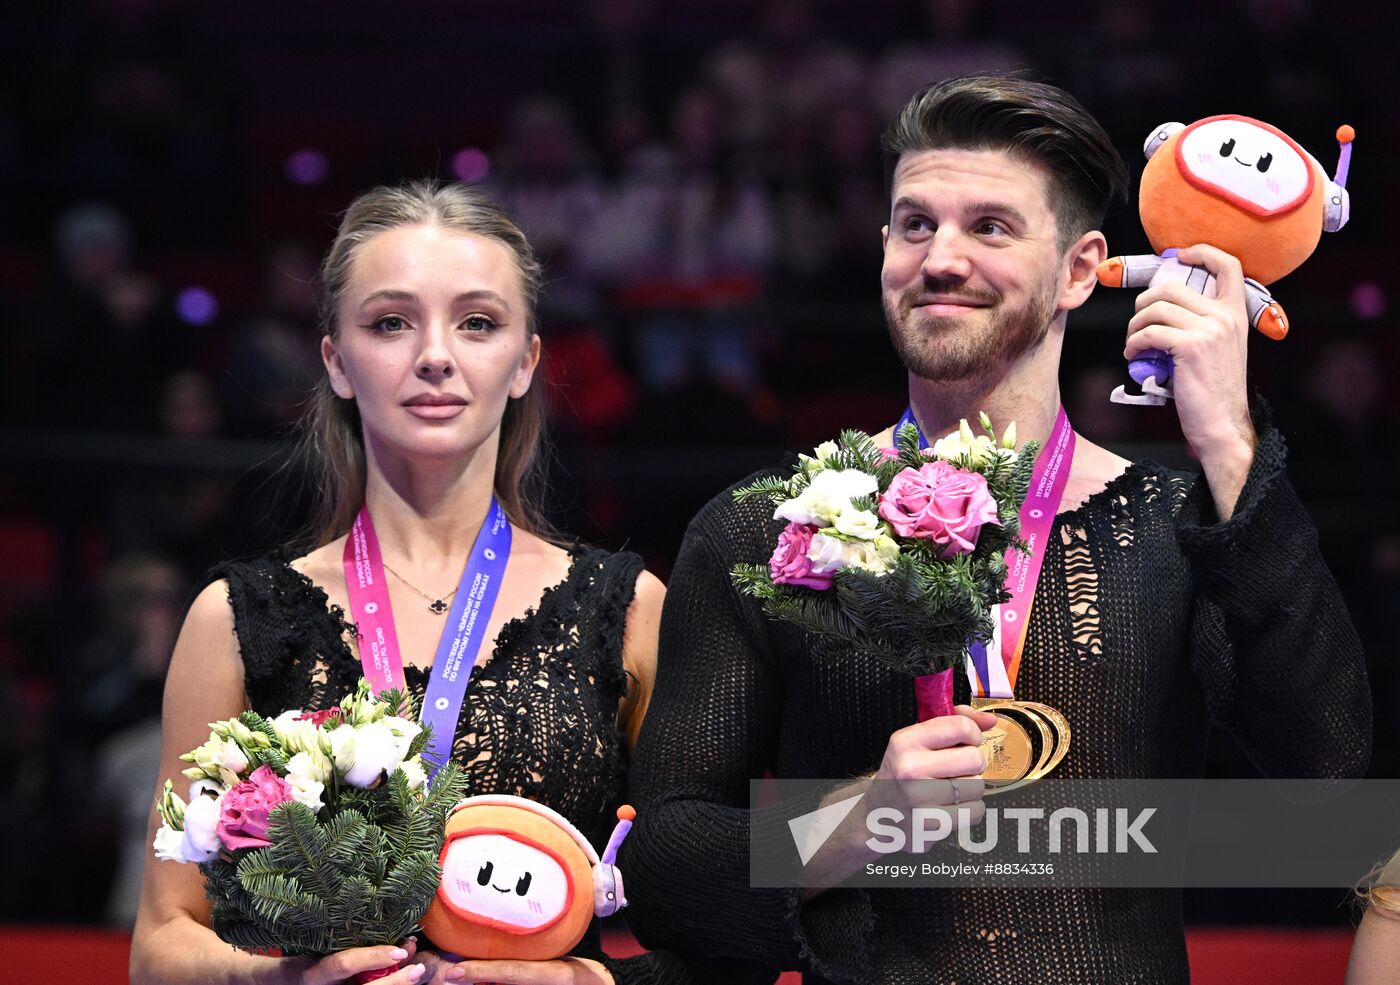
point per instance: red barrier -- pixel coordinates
(1219, 955)
(1249, 955)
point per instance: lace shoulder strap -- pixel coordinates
(285, 631)
(255, 606)
(606, 587)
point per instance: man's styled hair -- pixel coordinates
(1028, 120)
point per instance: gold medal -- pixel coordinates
(1059, 729)
(1046, 732)
(1010, 752)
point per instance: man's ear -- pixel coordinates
(1081, 270)
(335, 370)
(884, 236)
(526, 371)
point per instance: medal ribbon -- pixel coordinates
(461, 638)
(1037, 517)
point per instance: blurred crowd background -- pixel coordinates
(703, 180)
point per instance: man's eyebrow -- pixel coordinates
(999, 209)
(988, 207)
(393, 294)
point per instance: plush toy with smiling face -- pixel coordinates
(1244, 187)
(519, 881)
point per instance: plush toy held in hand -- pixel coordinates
(1241, 186)
(519, 881)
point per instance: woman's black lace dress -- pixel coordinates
(540, 715)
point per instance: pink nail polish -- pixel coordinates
(398, 954)
(415, 972)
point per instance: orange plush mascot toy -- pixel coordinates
(1239, 185)
(519, 881)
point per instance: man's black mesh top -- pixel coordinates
(1151, 619)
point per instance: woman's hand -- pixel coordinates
(564, 971)
(345, 965)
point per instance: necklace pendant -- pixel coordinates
(438, 606)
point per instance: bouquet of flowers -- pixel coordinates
(897, 552)
(315, 831)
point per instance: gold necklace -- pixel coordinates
(435, 605)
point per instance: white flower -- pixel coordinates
(170, 807)
(979, 450)
(887, 548)
(869, 556)
(306, 775)
(200, 842)
(830, 554)
(232, 757)
(861, 524)
(207, 788)
(248, 738)
(312, 765)
(306, 791)
(829, 494)
(285, 723)
(295, 736)
(413, 770)
(219, 754)
(169, 844)
(363, 754)
(819, 459)
(404, 732)
(362, 707)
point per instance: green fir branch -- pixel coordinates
(398, 703)
(415, 882)
(753, 579)
(280, 900)
(445, 792)
(866, 503)
(300, 845)
(357, 905)
(770, 486)
(857, 450)
(420, 742)
(247, 933)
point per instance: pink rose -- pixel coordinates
(790, 564)
(243, 819)
(888, 453)
(941, 503)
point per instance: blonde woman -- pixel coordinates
(427, 427)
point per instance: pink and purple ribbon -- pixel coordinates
(461, 640)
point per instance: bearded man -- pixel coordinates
(1166, 600)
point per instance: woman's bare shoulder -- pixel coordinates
(551, 561)
(322, 565)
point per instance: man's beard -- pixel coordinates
(939, 349)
